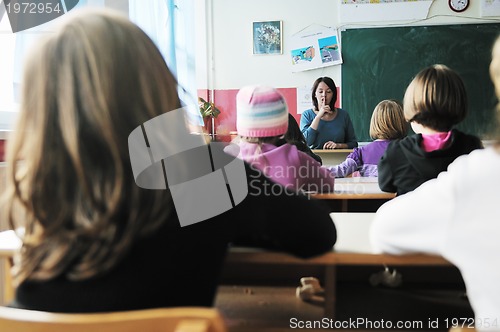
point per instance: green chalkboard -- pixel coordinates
(379, 63)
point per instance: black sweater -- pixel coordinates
(180, 266)
(405, 165)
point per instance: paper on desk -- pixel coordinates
(359, 179)
(9, 242)
(353, 231)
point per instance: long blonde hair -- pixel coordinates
(70, 182)
(388, 121)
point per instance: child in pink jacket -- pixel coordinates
(262, 119)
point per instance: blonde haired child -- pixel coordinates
(387, 123)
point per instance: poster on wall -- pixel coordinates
(304, 99)
(315, 49)
(267, 37)
(490, 8)
(362, 11)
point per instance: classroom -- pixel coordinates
(371, 49)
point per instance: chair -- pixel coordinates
(9, 245)
(192, 319)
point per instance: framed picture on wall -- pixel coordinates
(268, 37)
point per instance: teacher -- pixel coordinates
(325, 126)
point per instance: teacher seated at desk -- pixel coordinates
(325, 126)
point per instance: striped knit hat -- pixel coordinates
(261, 112)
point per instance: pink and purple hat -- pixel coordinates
(261, 112)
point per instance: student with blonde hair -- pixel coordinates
(93, 239)
(434, 102)
(387, 123)
(455, 216)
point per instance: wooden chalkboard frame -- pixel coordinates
(379, 63)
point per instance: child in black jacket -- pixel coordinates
(434, 102)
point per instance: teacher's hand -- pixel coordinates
(329, 145)
(323, 108)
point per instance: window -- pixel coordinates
(169, 23)
(7, 41)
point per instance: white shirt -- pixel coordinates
(456, 216)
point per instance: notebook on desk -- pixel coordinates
(9, 243)
(353, 231)
(358, 179)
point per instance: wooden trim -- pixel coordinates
(381, 195)
(322, 151)
(330, 291)
(251, 256)
(193, 319)
(8, 288)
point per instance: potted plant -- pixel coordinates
(209, 112)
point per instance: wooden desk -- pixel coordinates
(352, 249)
(328, 263)
(332, 157)
(356, 188)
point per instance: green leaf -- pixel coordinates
(207, 110)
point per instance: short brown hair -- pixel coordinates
(495, 76)
(436, 98)
(388, 121)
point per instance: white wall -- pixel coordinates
(234, 65)
(203, 33)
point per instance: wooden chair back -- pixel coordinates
(148, 320)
